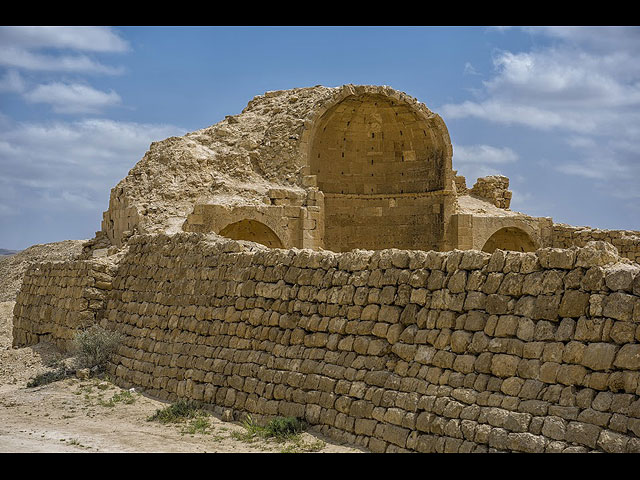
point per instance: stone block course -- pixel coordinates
(58, 299)
(401, 350)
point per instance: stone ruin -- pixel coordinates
(316, 255)
(355, 167)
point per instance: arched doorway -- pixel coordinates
(509, 238)
(378, 162)
(253, 231)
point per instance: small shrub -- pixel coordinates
(283, 427)
(94, 346)
(47, 377)
(176, 412)
(279, 428)
(196, 419)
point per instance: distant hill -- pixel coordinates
(4, 251)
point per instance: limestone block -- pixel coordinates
(527, 442)
(457, 282)
(620, 276)
(460, 339)
(596, 253)
(507, 326)
(623, 332)
(464, 363)
(499, 304)
(628, 357)
(566, 330)
(389, 313)
(583, 433)
(594, 279)
(557, 258)
(636, 283)
(573, 304)
(589, 329)
(599, 356)
(619, 306)
(554, 427)
(612, 442)
(475, 301)
(503, 365)
(574, 352)
(404, 351)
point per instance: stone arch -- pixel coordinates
(253, 231)
(381, 159)
(510, 238)
(377, 142)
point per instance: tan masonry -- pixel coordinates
(317, 256)
(393, 350)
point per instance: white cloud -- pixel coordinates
(14, 57)
(483, 154)
(95, 39)
(475, 161)
(584, 85)
(587, 82)
(12, 82)
(469, 69)
(20, 47)
(604, 39)
(68, 166)
(72, 98)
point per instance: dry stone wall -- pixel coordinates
(57, 299)
(394, 350)
(626, 241)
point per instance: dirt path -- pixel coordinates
(94, 415)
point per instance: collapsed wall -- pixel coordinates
(394, 350)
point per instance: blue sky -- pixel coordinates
(553, 108)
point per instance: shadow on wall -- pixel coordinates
(509, 238)
(253, 231)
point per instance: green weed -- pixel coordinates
(176, 412)
(279, 429)
(197, 425)
(196, 419)
(125, 397)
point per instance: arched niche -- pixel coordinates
(382, 164)
(253, 231)
(372, 144)
(509, 238)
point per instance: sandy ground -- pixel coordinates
(94, 415)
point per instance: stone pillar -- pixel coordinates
(460, 232)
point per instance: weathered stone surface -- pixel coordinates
(596, 253)
(556, 258)
(504, 365)
(619, 306)
(583, 434)
(363, 351)
(620, 277)
(628, 357)
(599, 356)
(574, 303)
